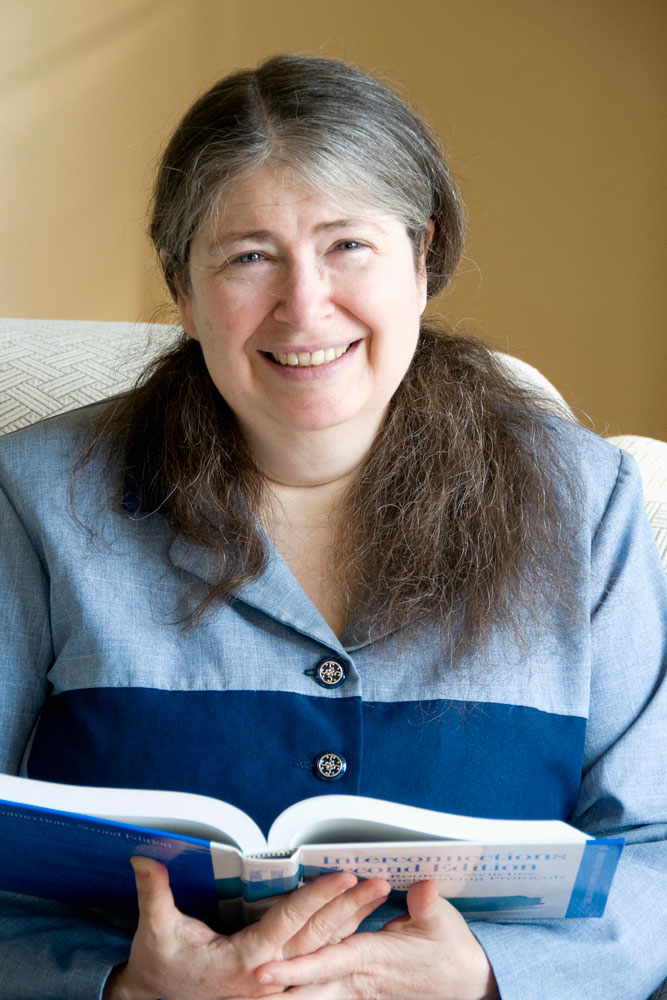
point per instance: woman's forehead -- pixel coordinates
(269, 191)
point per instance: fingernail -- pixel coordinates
(139, 867)
(382, 890)
(265, 979)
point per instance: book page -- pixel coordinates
(176, 812)
(357, 819)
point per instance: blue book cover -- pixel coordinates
(510, 870)
(80, 859)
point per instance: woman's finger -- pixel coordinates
(338, 919)
(330, 964)
(290, 913)
(428, 914)
(156, 902)
(316, 991)
(425, 909)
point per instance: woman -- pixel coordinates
(315, 473)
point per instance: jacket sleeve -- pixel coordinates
(48, 951)
(623, 955)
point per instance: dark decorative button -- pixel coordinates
(330, 766)
(330, 673)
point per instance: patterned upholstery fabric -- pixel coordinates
(651, 456)
(49, 366)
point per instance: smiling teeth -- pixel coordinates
(306, 359)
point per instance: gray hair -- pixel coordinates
(338, 128)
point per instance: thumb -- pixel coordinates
(425, 905)
(156, 902)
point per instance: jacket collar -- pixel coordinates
(276, 592)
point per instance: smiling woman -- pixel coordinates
(278, 280)
(315, 474)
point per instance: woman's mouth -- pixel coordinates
(309, 359)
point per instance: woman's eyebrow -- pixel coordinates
(237, 237)
(242, 235)
(353, 221)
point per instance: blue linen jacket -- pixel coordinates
(98, 685)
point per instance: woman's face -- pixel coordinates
(306, 308)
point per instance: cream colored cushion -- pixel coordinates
(49, 366)
(651, 457)
(526, 375)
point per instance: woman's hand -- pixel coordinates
(428, 954)
(176, 957)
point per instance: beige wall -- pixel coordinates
(553, 113)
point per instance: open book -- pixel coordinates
(74, 843)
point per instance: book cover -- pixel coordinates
(517, 870)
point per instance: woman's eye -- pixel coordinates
(252, 257)
(348, 245)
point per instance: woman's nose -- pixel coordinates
(304, 297)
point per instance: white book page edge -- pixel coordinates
(178, 812)
(319, 819)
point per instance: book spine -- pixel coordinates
(596, 871)
(271, 876)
